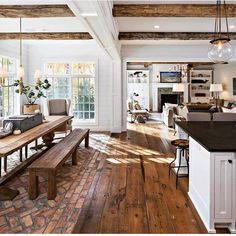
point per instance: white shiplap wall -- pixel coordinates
(43, 51)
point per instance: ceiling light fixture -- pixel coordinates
(157, 27)
(220, 50)
(88, 14)
(232, 26)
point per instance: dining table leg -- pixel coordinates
(48, 139)
(5, 164)
(21, 156)
(36, 144)
(26, 151)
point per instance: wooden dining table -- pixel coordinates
(13, 143)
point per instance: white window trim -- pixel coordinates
(13, 74)
(76, 122)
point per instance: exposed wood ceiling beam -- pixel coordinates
(32, 11)
(169, 36)
(170, 10)
(146, 64)
(45, 36)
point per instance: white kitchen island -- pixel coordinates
(212, 172)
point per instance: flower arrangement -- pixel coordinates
(32, 93)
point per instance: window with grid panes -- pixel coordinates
(77, 82)
(7, 93)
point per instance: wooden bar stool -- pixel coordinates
(183, 146)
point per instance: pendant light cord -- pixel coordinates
(218, 19)
(21, 59)
(226, 19)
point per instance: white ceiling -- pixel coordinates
(59, 24)
(173, 24)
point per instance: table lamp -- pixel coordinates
(216, 88)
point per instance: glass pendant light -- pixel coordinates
(220, 50)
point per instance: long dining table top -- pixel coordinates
(12, 143)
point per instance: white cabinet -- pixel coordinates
(212, 186)
(224, 174)
(200, 81)
(138, 82)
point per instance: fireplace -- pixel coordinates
(169, 98)
(166, 95)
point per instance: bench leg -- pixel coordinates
(52, 186)
(74, 157)
(87, 140)
(33, 185)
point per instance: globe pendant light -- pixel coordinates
(220, 50)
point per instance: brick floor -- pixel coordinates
(52, 216)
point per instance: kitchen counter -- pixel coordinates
(212, 171)
(213, 136)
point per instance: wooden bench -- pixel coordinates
(53, 159)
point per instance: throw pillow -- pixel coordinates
(226, 104)
(227, 110)
(230, 104)
(170, 105)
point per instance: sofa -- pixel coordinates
(168, 114)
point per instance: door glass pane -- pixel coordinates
(75, 81)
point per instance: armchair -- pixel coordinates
(135, 111)
(60, 107)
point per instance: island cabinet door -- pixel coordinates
(224, 189)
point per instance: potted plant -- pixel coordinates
(32, 93)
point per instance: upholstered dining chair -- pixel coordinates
(198, 116)
(224, 116)
(60, 107)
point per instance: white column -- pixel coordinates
(116, 114)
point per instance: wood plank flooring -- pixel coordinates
(132, 192)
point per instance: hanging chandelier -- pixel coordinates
(20, 72)
(220, 50)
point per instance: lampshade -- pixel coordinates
(3, 73)
(21, 72)
(38, 74)
(216, 88)
(178, 88)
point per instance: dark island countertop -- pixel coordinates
(213, 136)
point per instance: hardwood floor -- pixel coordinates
(132, 192)
(120, 185)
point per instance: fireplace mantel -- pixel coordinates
(154, 93)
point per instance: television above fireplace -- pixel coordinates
(170, 77)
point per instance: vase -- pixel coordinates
(29, 109)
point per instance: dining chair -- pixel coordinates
(60, 107)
